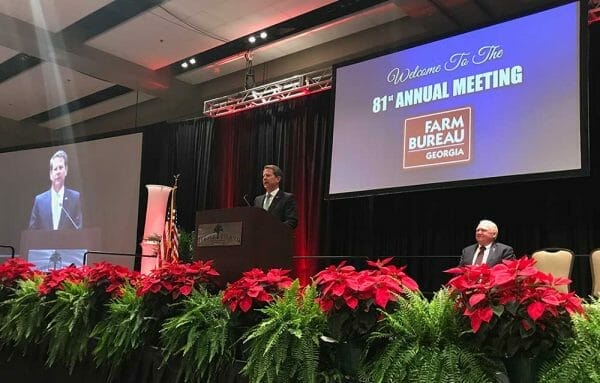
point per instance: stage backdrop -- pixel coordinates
(221, 160)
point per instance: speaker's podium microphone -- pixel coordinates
(246, 200)
(69, 216)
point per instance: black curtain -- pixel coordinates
(220, 162)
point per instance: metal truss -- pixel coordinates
(296, 86)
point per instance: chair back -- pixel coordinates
(555, 261)
(595, 268)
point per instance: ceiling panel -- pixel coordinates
(44, 87)
(99, 109)
(153, 40)
(6, 53)
(343, 27)
(51, 15)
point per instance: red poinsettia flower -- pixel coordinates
(513, 295)
(343, 286)
(110, 278)
(54, 280)
(255, 289)
(14, 270)
(350, 297)
(177, 279)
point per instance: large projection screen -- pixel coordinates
(490, 105)
(103, 182)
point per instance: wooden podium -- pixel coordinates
(241, 238)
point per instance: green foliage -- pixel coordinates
(577, 359)
(284, 347)
(198, 339)
(25, 316)
(70, 324)
(419, 342)
(186, 246)
(121, 332)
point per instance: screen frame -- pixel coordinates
(584, 171)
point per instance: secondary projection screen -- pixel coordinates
(501, 101)
(98, 206)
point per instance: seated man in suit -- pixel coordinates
(486, 250)
(277, 202)
(57, 208)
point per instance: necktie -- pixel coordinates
(267, 201)
(479, 258)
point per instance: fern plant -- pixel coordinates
(419, 342)
(25, 316)
(284, 347)
(198, 338)
(70, 324)
(122, 331)
(577, 359)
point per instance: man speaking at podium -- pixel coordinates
(58, 208)
(277, 202)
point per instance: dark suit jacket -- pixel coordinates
(498, 252)
(41, 214)
(283, 207)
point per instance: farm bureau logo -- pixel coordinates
(438, 138)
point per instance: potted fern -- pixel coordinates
(197, 340)
(419, 341)
(284, 347)
(24, 317)
(11, 272)
(121, 332)
(577, 359)
(79, 304)
(130, 330)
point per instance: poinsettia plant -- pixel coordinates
(14, 270)
(55, 279)
(108, 280)
(176, 279)
(352, 298)
(255, 289)
(513, 308)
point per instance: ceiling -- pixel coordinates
(72, 68)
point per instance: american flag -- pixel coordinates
(169, 243)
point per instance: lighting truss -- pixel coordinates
(296, 86)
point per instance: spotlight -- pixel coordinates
(192, 61)
(184, 65)
(252, 39)
(263, 35)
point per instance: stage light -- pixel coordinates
(184, 65)
(263, 35)
(192, 61)
(252, 39)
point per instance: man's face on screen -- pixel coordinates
(58, 172)
(270, 181)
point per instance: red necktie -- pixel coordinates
(479, 258)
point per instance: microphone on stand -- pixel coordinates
(246, 200)
(77, 227)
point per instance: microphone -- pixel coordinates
(246, 200)
(77, 227)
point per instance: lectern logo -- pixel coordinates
(219, 234)
(438, 138)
